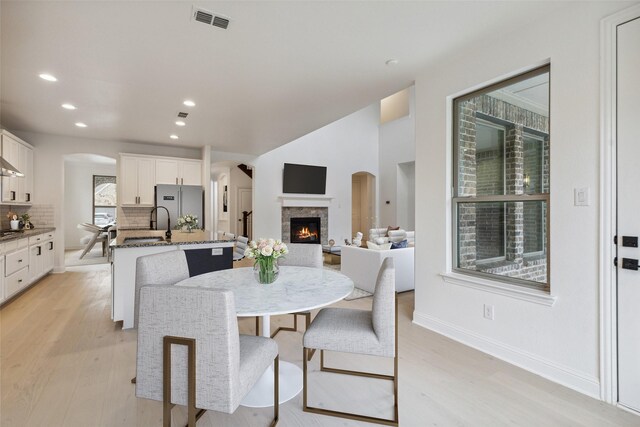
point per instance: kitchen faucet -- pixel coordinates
(168, 233)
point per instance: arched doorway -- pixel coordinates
(363, 204)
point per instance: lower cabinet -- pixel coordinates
(16, 281)
(24, 261)
(16, 270)
(40, 259)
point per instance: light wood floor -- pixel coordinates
(64, 363)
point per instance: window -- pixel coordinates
(501, 181)
(104, 200)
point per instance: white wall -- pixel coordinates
(397, 145)
(406, 195)
(560, 342)
(49, 168)
(78, 179)
(346, 146)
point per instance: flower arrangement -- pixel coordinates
(187, 221)
(266, 252)
(12, 216)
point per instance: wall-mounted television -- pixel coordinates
(304, 179)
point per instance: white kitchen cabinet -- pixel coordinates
(49, 256)
(17, 190)
(2, 287)
(16, 271)
(16, 282)
(137, 180)
(178, 171)
(190, 172)
(36, 263)
(23, 261)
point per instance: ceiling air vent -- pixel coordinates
(204, 17)
(183, 115)
(210, 18)
(220, 22)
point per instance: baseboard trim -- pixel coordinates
(552, 371)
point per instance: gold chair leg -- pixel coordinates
(194, 413)
(293, 328)
(308, 323)
(133, 380)
(257, 326)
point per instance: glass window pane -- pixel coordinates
(104, 200)
(503, 238)
(502, 139)
(489, 159)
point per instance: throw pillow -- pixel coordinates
(390, 228)
(399, 245)
(397, 236)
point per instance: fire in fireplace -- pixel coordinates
(305, 230)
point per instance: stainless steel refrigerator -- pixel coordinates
(179, 200)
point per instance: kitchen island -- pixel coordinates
(206, 253)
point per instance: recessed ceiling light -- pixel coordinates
(180, 123)
(392, 62)
(81, 125)
(189, 103)
(68, 106)
(173, 136)
(48, 77)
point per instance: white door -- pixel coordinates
(628, 224)
(244, 205)
(167, 172)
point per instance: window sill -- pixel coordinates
(504, 289)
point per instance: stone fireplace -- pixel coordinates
(314, 219)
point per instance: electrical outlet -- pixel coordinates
(216, 251)
(488, 312)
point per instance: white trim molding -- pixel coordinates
(305, 200)
(608, 138)
(504, 289)
(548, 369)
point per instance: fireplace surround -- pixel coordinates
(289, 212)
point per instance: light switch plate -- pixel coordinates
(581, 196)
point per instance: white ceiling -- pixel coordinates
(281, 69)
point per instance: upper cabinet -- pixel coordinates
(17, 190)
(139, 174)
(178, 171)
(136, 181)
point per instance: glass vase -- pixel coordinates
(266, 271)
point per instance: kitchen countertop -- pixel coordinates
(22, 234)
(177, 237)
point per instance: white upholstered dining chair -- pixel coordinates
(300, 255)
(241, 244)
(190, 352)
(365, 332)
(165, 268)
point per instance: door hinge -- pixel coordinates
(615, 240)
(615, 261)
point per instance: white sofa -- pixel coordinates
(376, 233)
(362, 265)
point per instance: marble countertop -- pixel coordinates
(178, 237)
(22, 234)
(296, 289)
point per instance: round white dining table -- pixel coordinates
(296, 289)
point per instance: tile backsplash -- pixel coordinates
(41, 214)
(133, 218)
